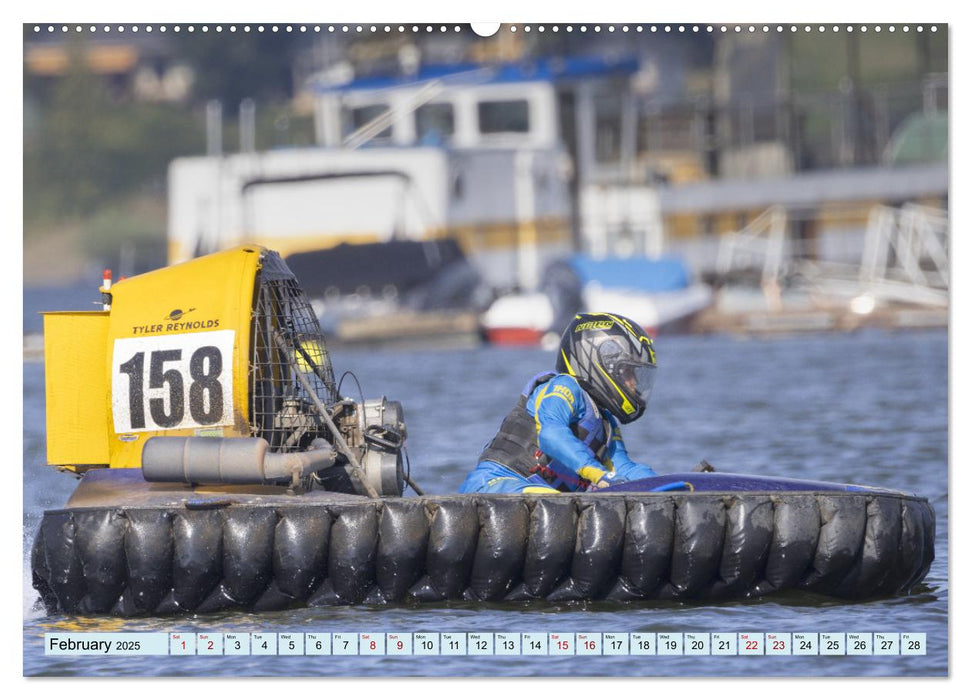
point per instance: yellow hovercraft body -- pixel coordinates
(188, 350)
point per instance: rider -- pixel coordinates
(564, 435)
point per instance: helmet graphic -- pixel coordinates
(613, 359)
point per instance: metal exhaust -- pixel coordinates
(235, 460)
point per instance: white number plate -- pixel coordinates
(171, 382)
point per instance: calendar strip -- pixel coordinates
(486, 644)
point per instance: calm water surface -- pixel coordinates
(867, 408)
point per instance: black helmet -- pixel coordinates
(612, 359)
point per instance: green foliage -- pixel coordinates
(257, 65)
(140, 223)
(85, 149)
(819, 60)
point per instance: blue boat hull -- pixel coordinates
(721, 482)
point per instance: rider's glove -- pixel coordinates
(598, 478)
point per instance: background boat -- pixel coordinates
(657, 293)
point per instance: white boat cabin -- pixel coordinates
(504, 158)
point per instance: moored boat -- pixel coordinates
(657, 293)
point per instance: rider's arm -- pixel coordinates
(625, 469)
(559, 403)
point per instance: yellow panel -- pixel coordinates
(211, 293)
(477, 238)
(76, 387)
(682, 225)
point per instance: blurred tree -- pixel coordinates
(84, 148)
(256, 65)
(62, 163)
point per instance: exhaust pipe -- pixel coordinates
(204, 460)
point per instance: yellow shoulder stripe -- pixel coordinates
(539, 399)
(540, 489)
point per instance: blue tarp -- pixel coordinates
(546, 70)
(663, 274)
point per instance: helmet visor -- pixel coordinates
(637, 379)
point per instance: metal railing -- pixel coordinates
(909, 244)
(904, 257)
(763, 242)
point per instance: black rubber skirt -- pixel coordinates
(273, 552)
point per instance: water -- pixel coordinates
(81, 296)
(867, 408)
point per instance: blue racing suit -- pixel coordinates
(562, 442)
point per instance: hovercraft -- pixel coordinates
(225, 471)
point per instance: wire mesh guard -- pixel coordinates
(280, 409)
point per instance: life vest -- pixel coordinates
(516, 444)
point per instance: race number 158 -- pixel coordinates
(172, 381)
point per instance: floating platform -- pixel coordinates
(126, 547)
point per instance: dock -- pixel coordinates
(441, 329)
(835, 319)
